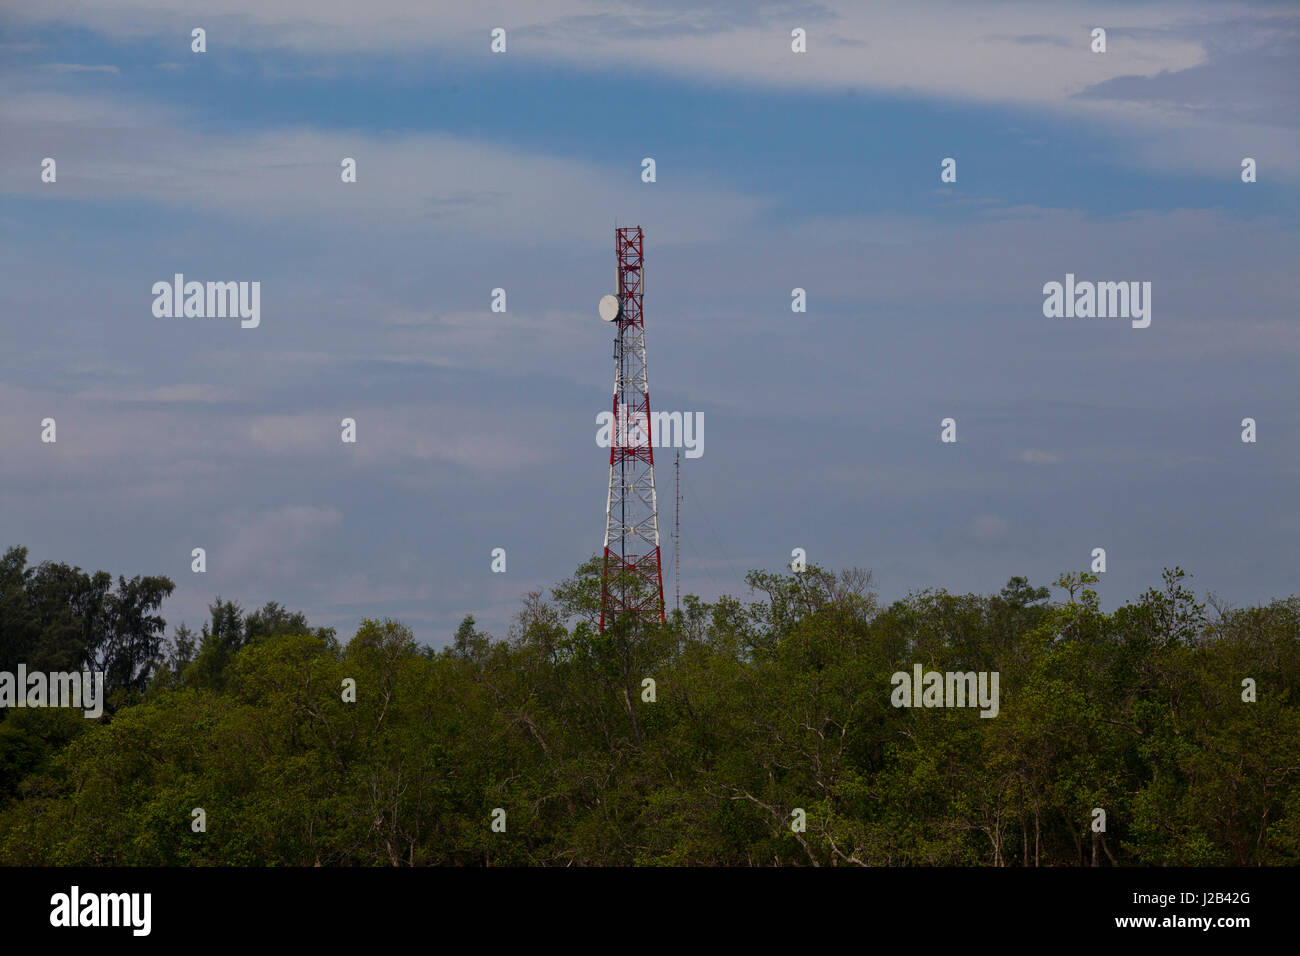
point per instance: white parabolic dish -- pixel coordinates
(609, 307)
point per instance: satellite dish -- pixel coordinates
(609, 308)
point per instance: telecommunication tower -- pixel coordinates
(631, 583)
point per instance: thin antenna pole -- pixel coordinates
(677, 529)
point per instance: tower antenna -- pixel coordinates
(677, 531)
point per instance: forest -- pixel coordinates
(750, 731)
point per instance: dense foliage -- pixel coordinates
(760, 708)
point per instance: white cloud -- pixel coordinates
(433, 183)
(989, 528)
(484, 440)
(196, 393)
(78, 68)
(1034, 456)
(274, 539)
(1012, 51)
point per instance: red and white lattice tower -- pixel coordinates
(631, 584)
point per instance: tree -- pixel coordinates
(134, 644)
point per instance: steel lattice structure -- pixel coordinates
(631, 577)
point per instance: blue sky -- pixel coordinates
(775, 170)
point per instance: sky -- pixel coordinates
(774, 170)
